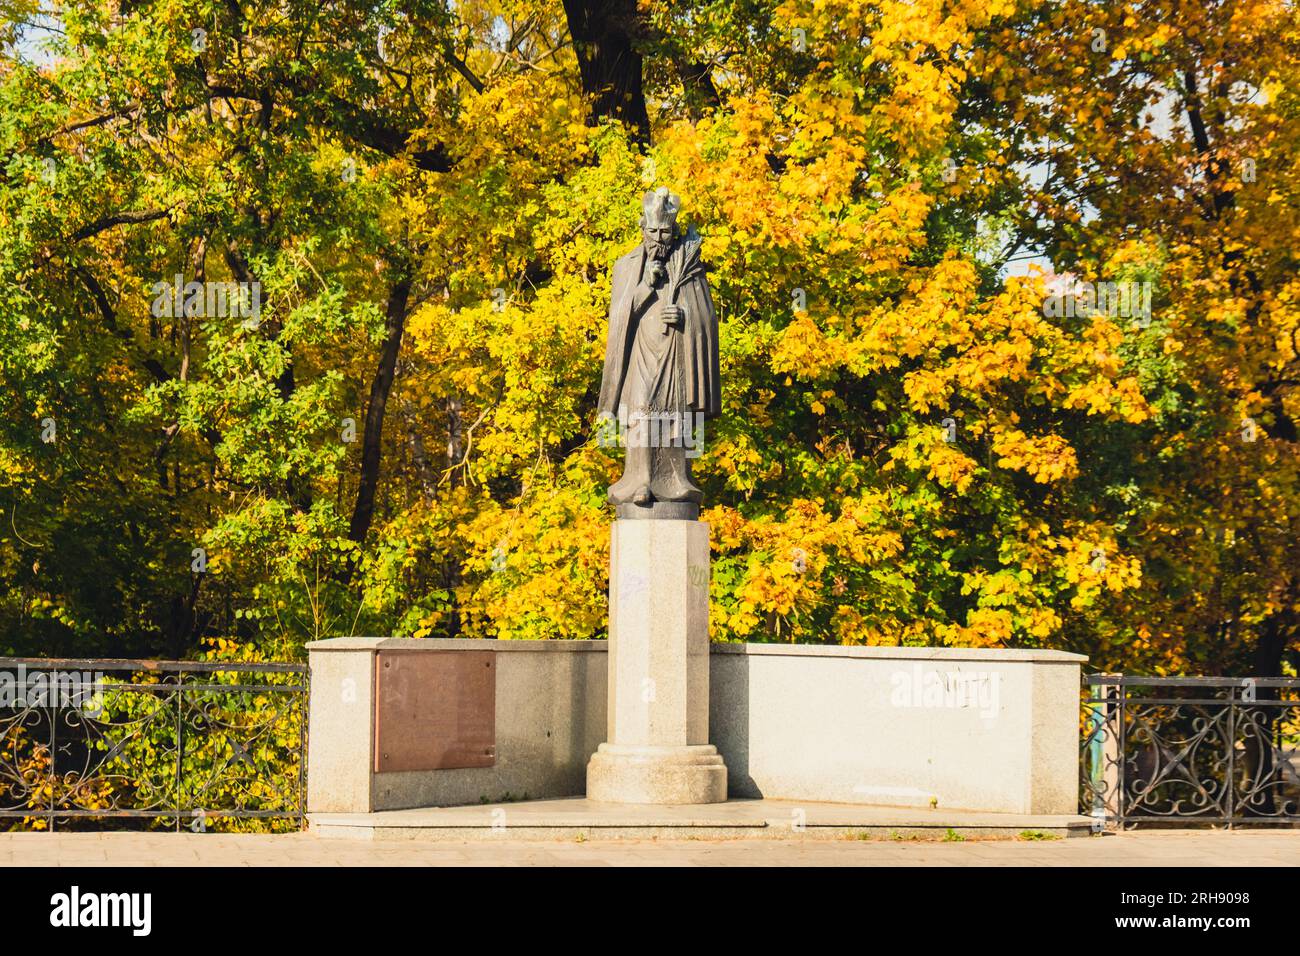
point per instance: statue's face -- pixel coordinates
(658, 239)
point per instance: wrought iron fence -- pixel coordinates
(1214, 750)
(151, 743)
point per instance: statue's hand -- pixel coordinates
(657, 273)
(671, 315)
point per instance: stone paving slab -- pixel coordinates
(1143, 848)
(577, 818)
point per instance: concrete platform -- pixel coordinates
(576, 818)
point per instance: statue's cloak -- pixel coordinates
(699, 345)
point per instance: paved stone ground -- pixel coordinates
(1165, 848)
(566, 819)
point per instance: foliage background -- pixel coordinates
(382, 169)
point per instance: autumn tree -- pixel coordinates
(913, 449)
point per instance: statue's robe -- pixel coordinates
(687, 379)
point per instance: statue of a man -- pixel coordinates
(661, 365)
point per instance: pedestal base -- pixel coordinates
(661, 775)
(657, 748)
(669, 510)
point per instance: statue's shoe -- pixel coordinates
(675, 489)
(626, 491)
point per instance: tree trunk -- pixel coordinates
(372, 439)
(604, 36)
(1257, 726)
(419, 457)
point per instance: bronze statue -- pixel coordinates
(661, 365)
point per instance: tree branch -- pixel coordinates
(118, 219)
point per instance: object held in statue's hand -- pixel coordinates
(671, 316)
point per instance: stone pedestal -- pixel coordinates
(658, 749)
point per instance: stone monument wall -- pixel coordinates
(989, 730)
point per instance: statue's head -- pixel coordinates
(659, 221)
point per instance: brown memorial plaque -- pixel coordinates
(435, 710)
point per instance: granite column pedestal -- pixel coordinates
(657, 749)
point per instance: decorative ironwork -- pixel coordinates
(1216, 750)
(183, 744)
